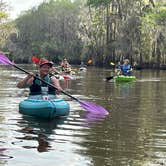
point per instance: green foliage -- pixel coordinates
(3, 15)
(50, 30)
(153, 24)
(103, 30)
(98, 3)
(5, 28)
(161, 16)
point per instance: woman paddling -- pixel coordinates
(38, 89)
(66, 67)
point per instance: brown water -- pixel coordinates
(133, 134)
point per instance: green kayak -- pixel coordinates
(122, 78)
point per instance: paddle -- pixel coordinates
(118, 72)
(109, 78)
(89, 106)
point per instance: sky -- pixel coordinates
(17, 6)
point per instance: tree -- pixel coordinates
(50, 30)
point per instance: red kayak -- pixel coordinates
(67, 77)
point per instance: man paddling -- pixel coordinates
(126, 68)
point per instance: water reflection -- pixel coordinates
(124, 88)
(3, 156)
(91, 118)
(38, 130)
(134, 132)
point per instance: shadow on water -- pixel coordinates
(39, 130)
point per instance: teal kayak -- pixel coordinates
(122, 78)
(44, 108)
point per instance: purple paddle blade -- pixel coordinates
(91, 118)
(4, 60)
(93, 108)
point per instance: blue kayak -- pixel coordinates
(44, 108)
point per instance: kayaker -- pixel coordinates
(37, 87)
(66, 67)
(82, 64)
(118, 70)
(126, 68)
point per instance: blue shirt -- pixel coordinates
(126, 69)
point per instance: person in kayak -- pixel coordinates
(36, 86)
(126, 68)
(118, 69)
(66, 67)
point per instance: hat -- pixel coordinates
(44, 61)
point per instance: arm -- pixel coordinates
(26, 82)
(129, 68)
(56, 83)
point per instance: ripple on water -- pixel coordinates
(132, 134)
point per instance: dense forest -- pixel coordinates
(101, 30)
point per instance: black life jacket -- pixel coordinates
(36, 87)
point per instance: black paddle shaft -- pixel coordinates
(109, 78)
(51, 85)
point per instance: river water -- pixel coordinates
(133, 134)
